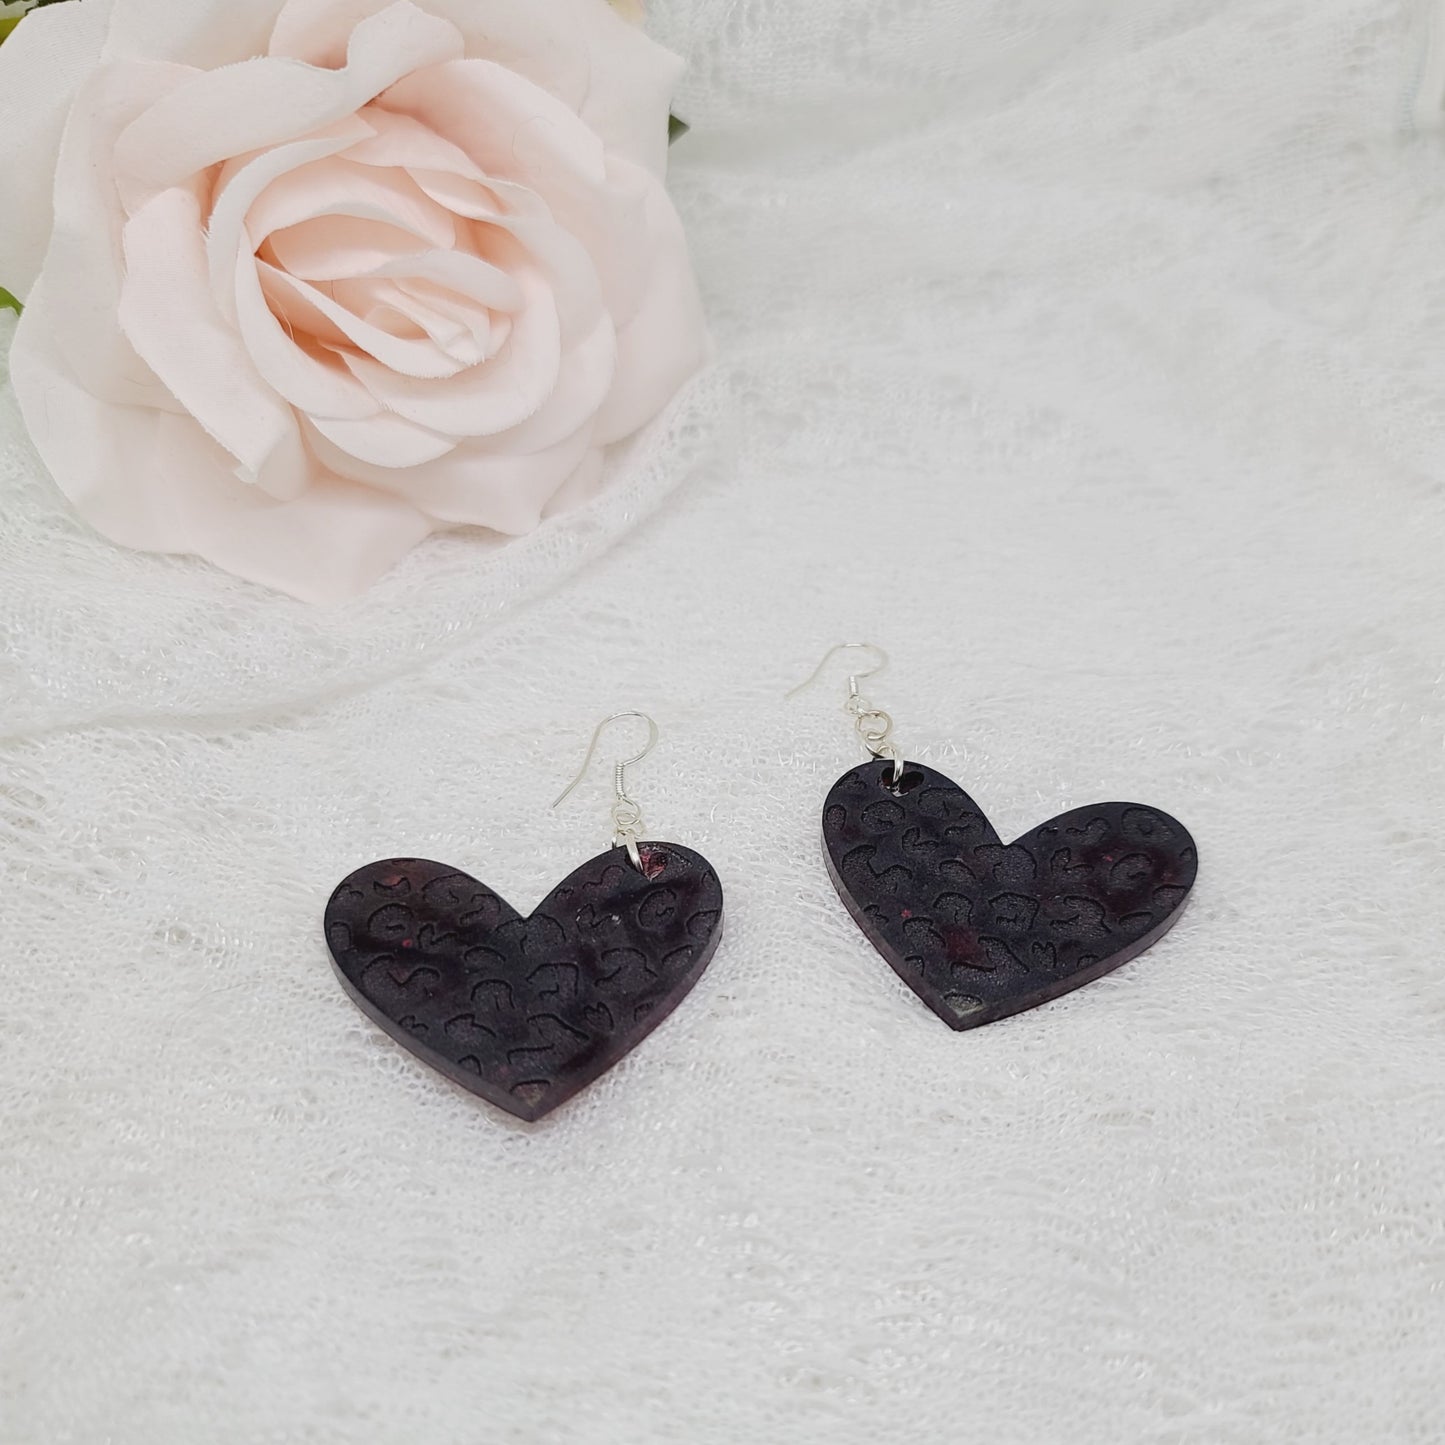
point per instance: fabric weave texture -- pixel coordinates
(1089, 358)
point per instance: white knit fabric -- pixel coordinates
(1089, 357)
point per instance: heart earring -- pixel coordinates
(976, 928)
(527, 1011)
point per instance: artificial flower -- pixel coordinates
(306, 280)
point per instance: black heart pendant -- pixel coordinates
(526, 1011)
(979, 929)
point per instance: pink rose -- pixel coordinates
(309, 279)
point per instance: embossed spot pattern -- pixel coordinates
(980, 929)
(525, 1011)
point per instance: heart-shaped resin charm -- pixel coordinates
(526, 1011)
(980, 929)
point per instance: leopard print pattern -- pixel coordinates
(980, 929)
(525, 1011)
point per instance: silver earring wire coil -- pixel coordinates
(873, 726)
(855, 678)
(626, 815)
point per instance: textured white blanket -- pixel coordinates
(1089, 357)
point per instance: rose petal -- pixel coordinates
(337, 187)
(397, 310)
(581, 486)
(385, 441)
(533, 240)
(263, 102)
(86, 245)
(393, 308)
(181, 495)
(417, 359)
(399, 141)
(200, 33)
(510, 127)
(315, 384)
(462, 196)
(666, 342)
(631, 106)
(515, 240)
(327, 546)
(229, 234)
(465, 274)
(600, 222)
(317, 31)
(609, 72)
(485, 399)
(42, 67)
(469, 487)
(613, 233)
(167, 311)
(444, 315)
(330, 248)
(583, 384)
(307, 327)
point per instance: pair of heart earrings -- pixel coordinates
(525, 1011)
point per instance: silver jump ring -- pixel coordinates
(874, 725)
(891, 753)
(626, 815)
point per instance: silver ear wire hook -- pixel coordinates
(855, 678)
(873, 726)
(626, 815)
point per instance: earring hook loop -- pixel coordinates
(873, 726)
(854, 678)
(626, 815)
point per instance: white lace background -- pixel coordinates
(1089, 356)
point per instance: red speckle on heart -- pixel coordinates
(670, 932)
(907, 913)
(961, 945)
